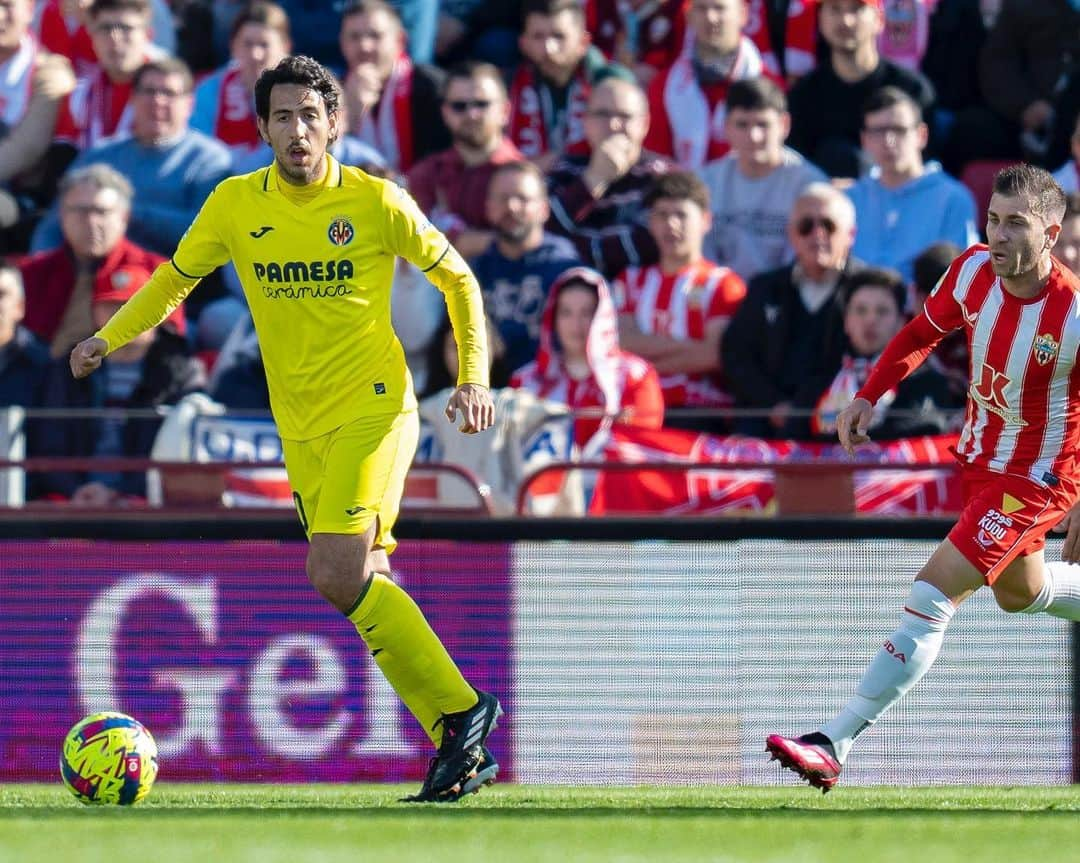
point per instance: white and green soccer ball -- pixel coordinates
(109, 759)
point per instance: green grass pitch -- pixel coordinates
(354, 823)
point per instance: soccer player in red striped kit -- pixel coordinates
(1019, 451)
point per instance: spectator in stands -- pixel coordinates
(580, 363)
(1067, 248)
(645, 36)
(674, 313)
(95, 207)
(786, 36)
(171, 167)
(225, 100)
(154, 369)
(238, 379)
(1024, 65)
(752, 188)
(958, 30)
(390, 103)
(873, 314)
(1068, 175)
(23, 359)
(906, 31)
(904, 204)
(686, 101)
(32, 84)
(63, 28)
(521, 263)
(787, 335)
(478, 30)
(951, 355)
(451, 186)
(440, 366)
(596, 200)
(100, 105)
(826, 104)
(550, 90)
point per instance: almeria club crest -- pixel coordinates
(1045, 348)
(341, 231)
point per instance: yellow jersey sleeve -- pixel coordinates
(409, 234)
(200, 249)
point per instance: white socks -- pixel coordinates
(906, 656)
(1060, 594)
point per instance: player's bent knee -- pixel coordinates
(1012, 600)
(336, 568)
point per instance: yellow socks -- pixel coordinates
(410, 654)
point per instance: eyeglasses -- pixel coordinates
(882, 131)
(460, 106)
(152, 92)
(85, 211)
(608, 116)
(119, 27)
(805, 226)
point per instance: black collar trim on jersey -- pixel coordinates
(266, 180)
(433, 266)
(182, 273)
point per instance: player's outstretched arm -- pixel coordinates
(87, 355)
(852, 424)
(476, 406)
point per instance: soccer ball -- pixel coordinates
(109, 758)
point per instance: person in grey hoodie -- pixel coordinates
(905, 204)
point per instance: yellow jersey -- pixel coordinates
(317, 277)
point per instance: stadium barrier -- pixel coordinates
(625, 651)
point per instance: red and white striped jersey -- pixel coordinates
(681, 305)
(1023, 409)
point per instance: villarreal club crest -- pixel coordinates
(341, 231)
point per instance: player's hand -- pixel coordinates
(87, 356)
(1070, 526)
(476, 406)
(852, 423)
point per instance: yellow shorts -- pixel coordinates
(346, 479)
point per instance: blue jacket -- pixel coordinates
(892, 226)
(515, 292)
(171, 183)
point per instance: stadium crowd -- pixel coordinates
(702, 214)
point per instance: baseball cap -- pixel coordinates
(120, 285)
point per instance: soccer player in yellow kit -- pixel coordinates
(314, 243)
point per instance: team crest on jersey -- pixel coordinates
(341, 231)
(1045, 348)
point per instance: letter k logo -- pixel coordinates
(265, 229)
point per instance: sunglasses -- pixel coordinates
(805, 226)
(463, 105)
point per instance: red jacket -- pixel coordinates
(49, 280)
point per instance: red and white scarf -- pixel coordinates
(100, 108)
(533, 123)
(234, 123)
(841, 392)
(697, 128)
(388, 126)
(16, 81)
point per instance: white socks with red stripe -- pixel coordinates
(906, 656)
(1060, 594)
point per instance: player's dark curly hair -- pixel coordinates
(297, 70)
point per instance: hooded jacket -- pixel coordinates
(621, 387)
